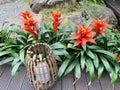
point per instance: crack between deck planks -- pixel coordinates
(9, 84)
(86, 80)
(22, 82)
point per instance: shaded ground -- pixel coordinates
(11, 10)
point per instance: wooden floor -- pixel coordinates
(20, 82)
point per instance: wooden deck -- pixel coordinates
(20, 82)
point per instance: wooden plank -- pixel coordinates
(5, 79)
(17, 81)
(105, 82)
(1, 70)
(96, 85)
(26, 85)
(67, 82)
(117, 84)
(57, 85)
(82, 84)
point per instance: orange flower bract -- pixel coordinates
(99, 25)
(25, 14)
(29, 23)
(83, 35)
(56, 19)
(118, 58)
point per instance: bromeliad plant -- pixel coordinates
(54, 36)
(15, 40)
(13, 47)
(91, 49)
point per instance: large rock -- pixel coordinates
(93, 11)
(37, 5)
(75, 17)
(102, 12)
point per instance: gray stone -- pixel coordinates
(75, 17)
(98, 11)
(51, 2)
(93, 11)
(37, 5)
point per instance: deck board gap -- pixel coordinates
(86, 80)
(22, 82)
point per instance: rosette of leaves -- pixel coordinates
(114, 39)
(96, 54)
(13, 47)
(55, 35)
(55, 40)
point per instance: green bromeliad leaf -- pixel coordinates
(22, 57)
(94, 47)
(71, 46)
(96, 61)
(77, 71)
(89, 21)
(100, 70)
(2, 44)
(113, 77)
(57, 45)
(15, 69)
(115, 64)
(6, 52)
(106, 64)
(22, 36)
(58, 58)
(7, 47)
(106, 53)
(72, 26)
(6, 60)
(15, 61)
(72, 66)
(82, 61)
(84, 47)
(61, 52)
(63, 67)
(90, 54)
(90, 68)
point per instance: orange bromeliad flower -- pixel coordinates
(100, 25)
(56, 19)
(32, 30)
(118, 58)
(29, 23)
(56, 14)
(83, 35)
(25, 14)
